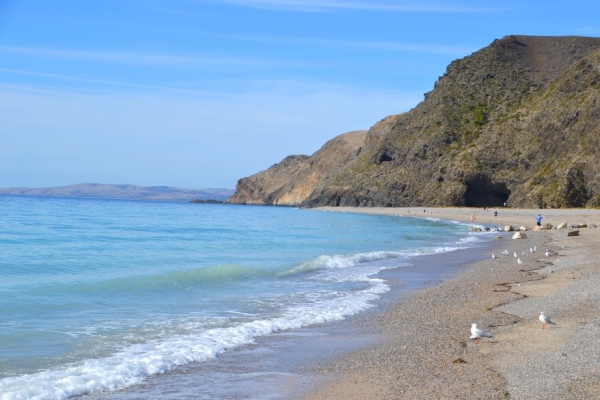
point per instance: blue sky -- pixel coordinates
(199, 93)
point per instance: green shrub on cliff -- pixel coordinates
(479, 115)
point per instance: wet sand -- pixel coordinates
(427, 352)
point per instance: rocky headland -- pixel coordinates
(295, 178)
(517, 121)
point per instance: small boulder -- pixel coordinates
(584, 225)
(536, 228)
(523, 229)
(475, 229)
(573, 233)
(562, 226)
(592, 226)
(519, 235)
(508, 228)
(498, 237)
(574, 226)
(546, 226)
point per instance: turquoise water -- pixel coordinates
(98, 295)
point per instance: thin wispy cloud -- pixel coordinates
(432, 48)
(60, 84)
(133, 58)
(176, 61)
(72, 78)
(328, 5)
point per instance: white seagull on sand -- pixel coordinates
(545, 320)
(477, 333)
(519, 261)
(505, 252)
(515, 254)
(493, 256)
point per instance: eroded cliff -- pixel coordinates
(518, 121)
(295, 178)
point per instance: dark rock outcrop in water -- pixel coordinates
(518, 121)
(210, 201)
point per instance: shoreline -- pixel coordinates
(280, 365)
(506, 216)
(427, 352)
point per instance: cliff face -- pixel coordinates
(518, 121)
(290, 182)
(262, 188)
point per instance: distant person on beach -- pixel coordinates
(538, 220)
(504, 204)
(473, 217)
(495, 213)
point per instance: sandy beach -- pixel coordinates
(427, 352)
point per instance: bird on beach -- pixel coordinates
(547, 253)
(515, 254)
(534, 249)
(477, 333)
(531, 249)
(505, 252)
(519, 261)
(545, 320)
(493, 256)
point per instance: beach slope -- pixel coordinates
(427, 352)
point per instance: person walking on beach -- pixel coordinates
(496, 213)
(538, 220)
(473, 217)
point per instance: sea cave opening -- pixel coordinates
(483, 193)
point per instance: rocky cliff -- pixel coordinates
(518, 121)
(290, 182)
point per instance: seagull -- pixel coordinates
(505, 252)
(531, 249)
(515, 254)
(547, 253)
(534, 249)
(477, 333)
(493, 256)
(519, 261)
(544, 320)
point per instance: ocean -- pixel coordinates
(100, 295)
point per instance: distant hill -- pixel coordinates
(517, 121)
(123, 192)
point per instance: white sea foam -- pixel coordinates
(135, 363)
(346, 261)
(339, 261)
